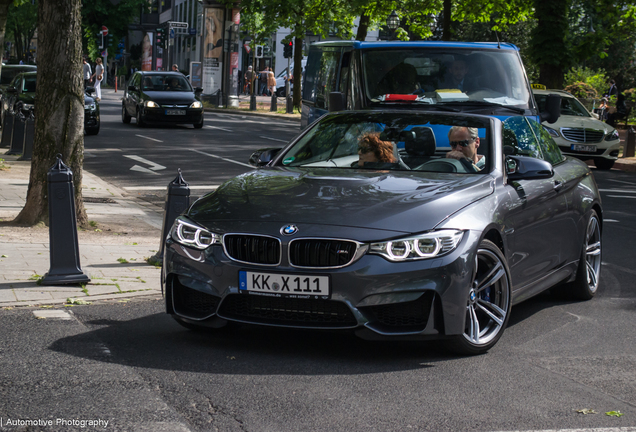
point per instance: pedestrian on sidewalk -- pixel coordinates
(263, 75)
(249, 75)
(271, 83)
(99, 76)
(86, 73)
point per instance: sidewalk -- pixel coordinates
(124, 232)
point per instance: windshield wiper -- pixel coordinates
(487, 104)
(399, 104)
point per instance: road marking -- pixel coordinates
(621, 196)
(614, 429)
(147, 137)
(152, 188)
(624, 182)
(617, 190)
(222, 158)
(274, 139)
(216, 127)
(153, 166)
(610, 220)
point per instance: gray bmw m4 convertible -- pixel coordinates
(392, 224)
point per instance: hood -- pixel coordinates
(569, 121)
(166, 97)
(398, 201)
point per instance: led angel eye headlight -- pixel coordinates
(428, 245)
(398, 249)
(189, 234)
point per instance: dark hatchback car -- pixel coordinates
(422, 246)
(160, 98)
(19, 95)
(10, 71)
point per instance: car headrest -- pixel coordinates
(419, 141)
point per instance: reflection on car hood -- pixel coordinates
(569, 121)
(166, 97)
(397, 201)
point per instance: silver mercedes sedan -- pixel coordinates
(391, 224)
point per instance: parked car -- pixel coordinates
(420, 246)
(19, 96)
(580, 134)
(10, 71)
(162, 97)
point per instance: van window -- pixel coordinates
(449, 75)
(321, 76)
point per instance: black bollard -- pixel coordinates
(17, 140)
(273, 107)
(252, 103)
(65, 262)
(290, 105)
(177, 201)
(29, 135)
(7, 129)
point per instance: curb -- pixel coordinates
(251, 113)
(627, 167)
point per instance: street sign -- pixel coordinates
(104, 30)
(174, 24)
(247, 47)
(171, 33)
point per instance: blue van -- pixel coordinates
(475, 77)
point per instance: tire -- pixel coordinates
(198, 125)
(588, 273)
(603, 164)
(280, 92)
(488, 304)
(92, 131)
(140, 120)
(124, 115)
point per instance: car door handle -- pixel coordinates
(558, 185)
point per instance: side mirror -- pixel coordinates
(132, 88)
(552, 108)
(595, 115)
(527, 168)
(263, 156)
(198, 90)
(12, 90)
(336, 101)
(90, 90)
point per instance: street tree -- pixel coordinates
(4, 14)
(59, 112)
(21, 25)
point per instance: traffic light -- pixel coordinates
(161, 36)
(259, 51)
(288, 50)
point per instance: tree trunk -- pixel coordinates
(59, 111)
(446, 24)
(363, 27)
(298, 71)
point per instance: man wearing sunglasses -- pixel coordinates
(464, 143)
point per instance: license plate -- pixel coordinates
(584, 148)
(284, 285)
(175, 112)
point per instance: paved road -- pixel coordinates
(133, 366)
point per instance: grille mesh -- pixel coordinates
(321, 253)
(192, 303)
(253, 249)
(402, 315)
(582, 135)
(287, 311)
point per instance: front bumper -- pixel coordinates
(158, 115)
(604, 149)
(91, 119)
(423, 299)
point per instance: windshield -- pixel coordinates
(395, 141)
(441, 76)
(29, 83)
(165, 83)
(569, 105)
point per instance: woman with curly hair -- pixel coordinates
(372, 149)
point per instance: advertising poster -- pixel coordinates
(195, 75)
(213, 50)
(146, 52)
